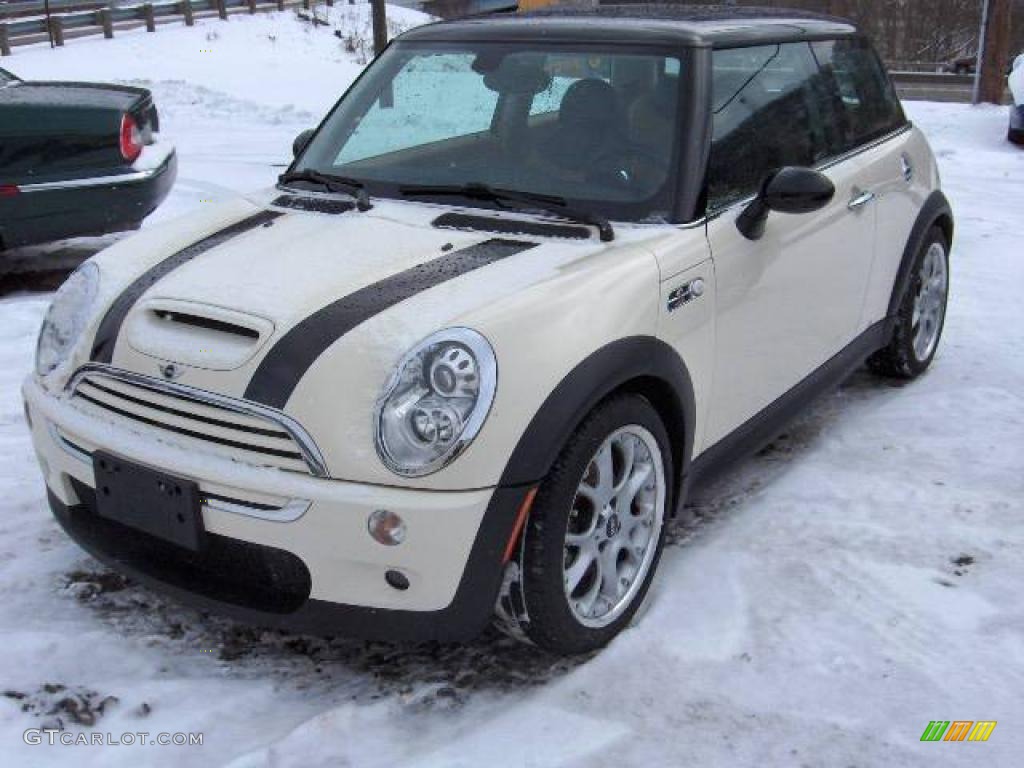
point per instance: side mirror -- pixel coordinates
(789, 190)
(301, 141)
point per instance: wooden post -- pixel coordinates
(380, 26)
(186, 10)
(222, 10)
(993, 52)
(280, 5)
(147, 13)
(107, 23)
(305, 4)
(5, 41)
(57, 29)
(252, 6)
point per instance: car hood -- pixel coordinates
(309, 312)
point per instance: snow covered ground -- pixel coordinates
(859, 578)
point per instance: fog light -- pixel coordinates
(386, 527)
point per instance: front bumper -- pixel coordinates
(93, 205)
(319, 571)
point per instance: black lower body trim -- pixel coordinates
(269, 587)
(766, 425)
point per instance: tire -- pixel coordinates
(916, 336)
(557, 619)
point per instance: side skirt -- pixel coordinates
(762, 428)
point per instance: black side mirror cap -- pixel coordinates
(301, 141)
(789, 190)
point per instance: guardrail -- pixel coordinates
(106, 20)
(9, 10)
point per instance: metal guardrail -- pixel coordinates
(22, 8)
(932, 78)
(105, 20)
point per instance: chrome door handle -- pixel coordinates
(860, 200)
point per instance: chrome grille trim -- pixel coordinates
(310, 453)
(290, 511)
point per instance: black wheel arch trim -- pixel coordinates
(936, 208)
(644, 364)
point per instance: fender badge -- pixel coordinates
(170, 371)
(685, 293)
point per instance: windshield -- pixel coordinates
(592, 127)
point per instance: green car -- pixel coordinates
(77, 159)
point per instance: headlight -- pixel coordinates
(67, 317)
(435, 402)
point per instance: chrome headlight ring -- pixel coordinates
(435, 402)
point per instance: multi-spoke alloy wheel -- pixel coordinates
(614, 524)
(930, 302)
(595, 531)
(921, 313)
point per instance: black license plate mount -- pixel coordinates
(150, 501)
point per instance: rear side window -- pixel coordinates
(772, 106)
(867, 100)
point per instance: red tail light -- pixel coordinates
(131, 139)
(8, 190)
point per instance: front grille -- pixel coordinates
(228, 570)
(197, 420)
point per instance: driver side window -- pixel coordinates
(770, 108)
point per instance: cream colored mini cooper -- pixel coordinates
(529, 280)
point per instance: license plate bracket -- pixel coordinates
(156, 503)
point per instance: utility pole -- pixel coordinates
(380, 26)
(49, 21)
(993, 52)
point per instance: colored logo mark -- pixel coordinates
(958, 730)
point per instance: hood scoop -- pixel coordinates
(197, 335)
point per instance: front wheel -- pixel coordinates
(596, 528)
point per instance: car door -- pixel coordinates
(892, 167)
(792, 299)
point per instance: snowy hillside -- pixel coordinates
(859, 578)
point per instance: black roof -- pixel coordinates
(641, 23)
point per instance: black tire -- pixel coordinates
(898, 359)
(552, 623)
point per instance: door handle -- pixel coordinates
(860, 200)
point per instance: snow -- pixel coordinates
(854, 581)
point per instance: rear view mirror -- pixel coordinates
(301, 141)
(789, 190)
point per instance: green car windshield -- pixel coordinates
(595, 128)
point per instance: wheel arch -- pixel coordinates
(936, 211)
(643, 365)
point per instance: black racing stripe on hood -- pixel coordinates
(288, 360)
(110, 325)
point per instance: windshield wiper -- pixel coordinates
(332, 183)
(549, 203)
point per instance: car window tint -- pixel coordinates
(771, 107)
(869, 105)
(412, 117)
